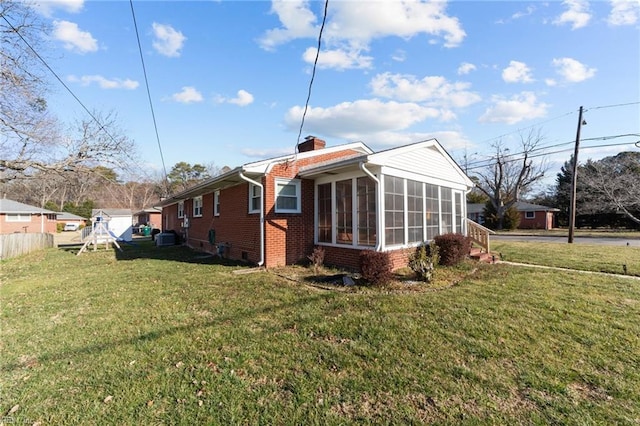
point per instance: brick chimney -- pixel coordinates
(311, 143)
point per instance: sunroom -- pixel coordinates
(390, 200)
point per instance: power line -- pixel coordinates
(101, 126)
(613, 106)
(313, 72)
(146, 80)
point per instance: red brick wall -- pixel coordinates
(350, 258)
(542, 220)
(35, 226)
(288, 236)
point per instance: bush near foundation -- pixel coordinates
(375, 267)
(453, 248)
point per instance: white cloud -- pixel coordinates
(577, 14)
(73, 38)
(435, 90)
(188, 95)
(103, 82)
(524, 106)
(338, 59)
(399, 55)
(168, 41)
(243, 98)
(517, 72)
(624, 12)
(528, 11)
(573, 71)
(466, 68)
(297, 22)
(47, 8)
(356, 23)
(351, 120)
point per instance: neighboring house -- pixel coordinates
(19, 217)
(344, 198)
(532, 216)
(151, 216)
(535, 216)
(119, 222)
(66, 217)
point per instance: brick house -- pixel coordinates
(532, 216)
(20, 217)
(344, 198)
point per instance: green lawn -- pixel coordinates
(585, 257)
(164, 336)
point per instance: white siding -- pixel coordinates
(426, 161)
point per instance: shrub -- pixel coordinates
(453, 248)
(510, 221)
(317, 259)
(424, 260)
(375, 266)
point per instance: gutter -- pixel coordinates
(259, 185)
(379, 229)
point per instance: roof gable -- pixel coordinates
(426, 158)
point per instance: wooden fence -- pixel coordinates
(12, 245)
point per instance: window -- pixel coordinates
(325, 224)
(181, 209)
(287, 196)
(197, 207)
(447, 210)
(432, 212)
(344, 212)
(18, 217)
(394, 210)
(255, 198)
(457, 196)
(529, 215)
(216, 203)
(366, 194)
(414, 211)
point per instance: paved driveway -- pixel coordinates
(604, 241)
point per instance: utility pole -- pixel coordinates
(574, 181)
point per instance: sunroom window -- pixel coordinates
(344, 212)
(394, 210)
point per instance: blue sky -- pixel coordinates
(229, 79)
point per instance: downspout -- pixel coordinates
(259, 185)
(378, 216)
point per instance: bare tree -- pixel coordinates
(31, 140)
(510, 176)
(612, 184)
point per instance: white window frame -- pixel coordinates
(197, 206)
(181, 209)
(216, 203)
(252, 196)
(530, 215)
(18, 217)
(298, 186)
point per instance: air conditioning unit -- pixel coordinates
(165, 239)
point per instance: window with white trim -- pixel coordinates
(288, 197)
(197, 207)
(457, 197)
(255, 198)
(344, 212)
(446, 214)
(216, 203)
(325, 222)
(18, 217)
(529, 215)
(181, 209)
(394, 210)
(414, 211)
(366, 196)
(432, 213)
